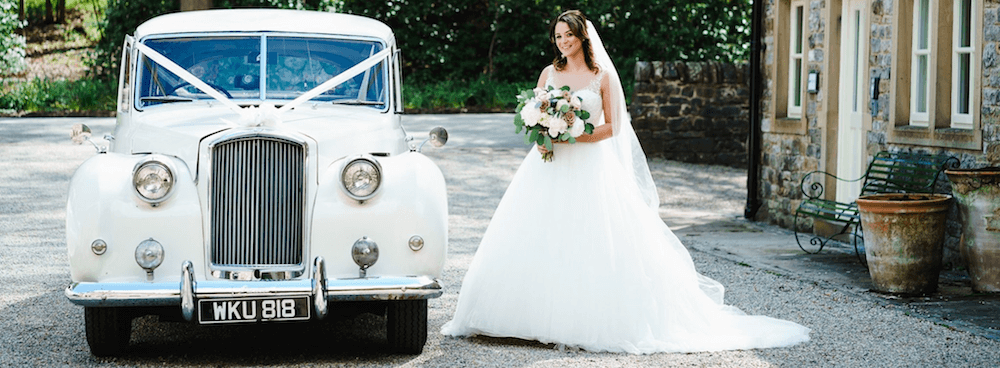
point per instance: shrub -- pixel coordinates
(12, 44)
(480, 94)
(42, 94)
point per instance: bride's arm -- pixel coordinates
(604, 131)
(543, 77)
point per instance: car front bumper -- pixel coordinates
(318, 287)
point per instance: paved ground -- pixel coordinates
(764, 272)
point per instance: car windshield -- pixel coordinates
(235, 66)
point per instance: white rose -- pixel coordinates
(531, 115)
(576, 102)
(578, 127)
(544, 120)
(539, 93)
(557, 127)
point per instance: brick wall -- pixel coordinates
(693, 111)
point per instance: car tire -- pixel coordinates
(108, 330)
(406, 326)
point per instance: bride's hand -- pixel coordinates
(542, 149)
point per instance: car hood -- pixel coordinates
(333, 131)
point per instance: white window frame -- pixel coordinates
(796, 62)
(922, 27)
(959, 119)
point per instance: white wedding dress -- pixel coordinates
(575, 256)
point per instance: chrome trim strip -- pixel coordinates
(115, 294)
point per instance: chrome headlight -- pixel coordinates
(153, 180)
(361, 177)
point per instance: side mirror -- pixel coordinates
(81, 133)
(438, 136)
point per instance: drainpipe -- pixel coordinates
(753, 144)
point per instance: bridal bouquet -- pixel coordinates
(548, 115)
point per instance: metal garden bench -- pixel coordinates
(886, 173)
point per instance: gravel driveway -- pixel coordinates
(39, 327)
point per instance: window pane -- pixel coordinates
(797, 87)
(922, 83)
(228, 64)
(296, 65)
(798, 30)
(965, 23)
(963, 84)
(923, 26)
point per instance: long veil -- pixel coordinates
(626, 146)
(625, 142)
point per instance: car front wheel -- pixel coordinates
(406, 326)
(108, 330)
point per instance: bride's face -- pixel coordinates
(569, 44)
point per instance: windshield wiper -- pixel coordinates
(165, 99)
(358, 102)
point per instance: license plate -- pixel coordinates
(249, 310)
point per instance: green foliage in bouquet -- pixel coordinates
(547, 107)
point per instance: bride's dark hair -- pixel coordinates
(577, 23)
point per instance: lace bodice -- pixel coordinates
(591, 95)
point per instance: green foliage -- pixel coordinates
(87, 94)
(507, 40)
(455, 94)
(121, 17)
(12, 44)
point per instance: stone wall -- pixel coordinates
(787, 154)
(694, 112)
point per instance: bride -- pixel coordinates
(576, 253)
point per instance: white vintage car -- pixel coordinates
(258, 172)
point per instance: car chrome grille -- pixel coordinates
(256, 190)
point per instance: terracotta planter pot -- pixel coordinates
(978, 196)
(904, 234)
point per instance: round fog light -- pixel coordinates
(416, 243)
(364, 252)
(149, 254)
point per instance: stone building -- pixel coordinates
(844, 79)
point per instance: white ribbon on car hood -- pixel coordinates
(266, 114)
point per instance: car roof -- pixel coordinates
(265, 20)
